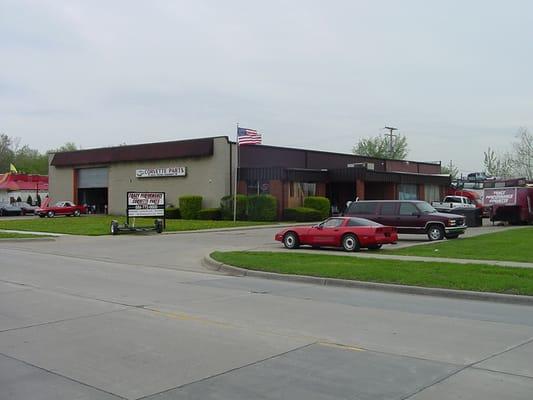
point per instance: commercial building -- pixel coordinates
(102, 177)
(23, 186)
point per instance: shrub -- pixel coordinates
(29, 200)
(209, 213)
(321, 204)
(19, 199)
(38, 200)
(189, 206)
(226, 207)
(301, 214)
(172, 213)
(262, 207)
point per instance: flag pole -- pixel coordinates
(236, 172)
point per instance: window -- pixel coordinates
(362, 222)
(363, 207)
(408, 192)
(332, 223)
(408, 209)
(387, 208)
(257, 187)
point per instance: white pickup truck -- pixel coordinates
(451, 202)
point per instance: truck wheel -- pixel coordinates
(350, 243)
(290, 240)
(435, 232)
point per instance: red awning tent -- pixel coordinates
(14, 182)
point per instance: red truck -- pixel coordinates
(510, 204)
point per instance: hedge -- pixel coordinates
(209, 213)
(189, 206)
(262, 207)
(172, 213)
(226, 207)
(321, 204)
(301, 214)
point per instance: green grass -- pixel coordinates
(11, 235)
(482, 278)
(99, 225)
(509, 245)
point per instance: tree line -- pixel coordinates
(517, 161)
(24, 158)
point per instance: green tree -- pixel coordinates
(6, 153)
(30, 161)
(379, 147)
(68, 146)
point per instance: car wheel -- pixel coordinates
(77, 213)
(114, 227)
(290, 240)
(435, 232)
(350, 243)
(375, 247)
(50, 214)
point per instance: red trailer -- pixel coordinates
(510, 204)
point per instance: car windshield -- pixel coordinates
(426, 208)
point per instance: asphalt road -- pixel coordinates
(139, 317)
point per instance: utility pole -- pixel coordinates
(390, 135)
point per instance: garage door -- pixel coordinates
(92, 178)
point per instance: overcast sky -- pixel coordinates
(453, 76)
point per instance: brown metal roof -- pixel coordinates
(136, 152)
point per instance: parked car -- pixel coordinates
(25, 207)
(60, 208)
(348, 233)
(9, 209)
(410, 216)
(451, 202)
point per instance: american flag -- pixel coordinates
(248, 136)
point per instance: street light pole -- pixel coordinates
(390, 135)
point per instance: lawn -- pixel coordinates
(11, 235)
(509, 245)
(99, 225)
(482, 278)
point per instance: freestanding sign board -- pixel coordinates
(499, 197)
(146, 204)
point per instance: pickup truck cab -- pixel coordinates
(451, 202)
(410, 216)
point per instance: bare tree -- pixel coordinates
(450, 169)
(500, 165)
(523, 154)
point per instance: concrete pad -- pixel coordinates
(20, 381)
(319, 372)
(6, 287)
(518, 361)
(31, 307)
(475, 384)
(136, 353)
(451, 340)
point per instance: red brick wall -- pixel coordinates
(279, 190)
(360, 189)
(421, 192)
(321, 189)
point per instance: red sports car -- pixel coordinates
(348, 232)
(60, 208)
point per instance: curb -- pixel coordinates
(208, 262)
(19, 240)
(236, 228)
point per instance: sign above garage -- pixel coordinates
(160, 172)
